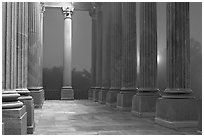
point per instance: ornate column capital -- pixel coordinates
(92, 12)
(42, 7)
(68, 12)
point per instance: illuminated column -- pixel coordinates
(177, 106)
(67, 91)
(14, 115)
(22, 64)
(99, 30)
(129, 57)
(116, 53)
(144, 102)
(105, 84)
(37, 91)
(92, 14)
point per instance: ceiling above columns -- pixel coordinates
(79, 6)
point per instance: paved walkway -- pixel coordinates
(84, 117)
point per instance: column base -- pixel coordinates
(102, 95)
(144, 102)
(90, 93)
(28, 102)
(95, 93)
(67, 93)
(111, 97)
(37, 94)
(3, 129)
(15, 121)
(124, 100)
(176, 112)
(30, 129)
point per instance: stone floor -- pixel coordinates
(84, 117)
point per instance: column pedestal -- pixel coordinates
(28, 102)
(176, 109)
(38, 96)
(14, 115)
(111, 97)
(102, 95)
(144, 102)
(96, 93)
(124, 99)
(90, 93)
(67, 93)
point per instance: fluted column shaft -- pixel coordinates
(35, 54)
(106, 46)
(99, 46)
(105, 52)
(32, 49)
(9, 46)
(22, 47)
(129, 54)
(129, 57)
(178, 46)
(177, 98)
(92, 14)
(144, 102)
(67, 91)
(116, 45)
(116, 53)
(148, 45)
(4, 28)
(93, 55)
(99, 31)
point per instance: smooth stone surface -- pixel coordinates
(11, 105)
(10, 97)
(144, 104)
(176, 113)
(28, 102)
(90, 94)
(111, 97)
(85, 117)
(38, 97)
(102, 96)
(96, 94)
(15, 121)
(67, 94)
(24, 92)
(124, 101)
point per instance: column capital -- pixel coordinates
(42, 4)
(92, 12)
(68, 12)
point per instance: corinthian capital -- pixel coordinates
(68, 11)
(42, 7)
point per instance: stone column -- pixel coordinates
(98, 50)
(129, 57)
(22, 64)
(177, 107)
(144, 102)
(15, 124)
(105, 53)
(92, 14)
(37, 91)
(67, 91)
(116, 53)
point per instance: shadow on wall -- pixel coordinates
(53, 79)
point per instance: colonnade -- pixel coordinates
(21, 65)
(114, 62)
